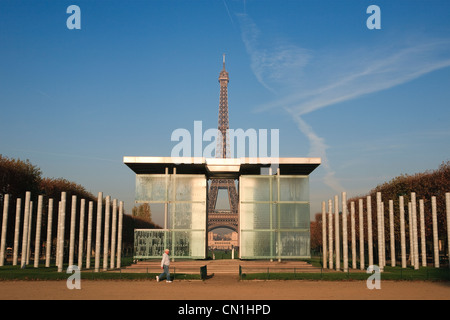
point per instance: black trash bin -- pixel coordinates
(203, 272)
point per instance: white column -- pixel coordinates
(4, 228)
(62, 234)
(352, 221)
(447, 209)
(119, 235)
(383, 236)
(106, 235)
(435, 232)
(89, 235)
(345, 230)
(30, 222)
(113, 233)
(380, 232)
(391, 229)
(422, 233)
(172, 215)
(411, 237)
(37, 240)
(98, 231)
(279, 245)
(369, 230)
(324, 236)
(336, 232)
(402, 230)
(415, 236)
(58, 234)
(330, 234)
(17, 231)
(73, 217)
(26, 215)
(166, 205)
(48, 247)
(81, 233)
(361, 234)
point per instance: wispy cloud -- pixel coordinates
(273, 66)
(350, 77)
(309, 80)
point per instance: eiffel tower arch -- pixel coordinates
(223, 218)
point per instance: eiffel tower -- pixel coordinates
(223, 218)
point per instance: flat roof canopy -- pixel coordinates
(229, 168)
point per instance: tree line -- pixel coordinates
(18, 176)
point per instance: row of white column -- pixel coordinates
(331, 251)
(112, 251)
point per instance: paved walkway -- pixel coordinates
(225, 288)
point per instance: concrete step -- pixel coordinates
(223, 266)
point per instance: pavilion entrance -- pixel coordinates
(223, 218)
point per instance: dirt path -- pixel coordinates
(223, 288)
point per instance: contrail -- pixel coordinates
(318, 149)
(228, 11)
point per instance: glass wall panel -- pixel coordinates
(294, 244)
(182, 244)
(197, 247)
(293, 215)
(187, 188)
(256, 216)
(274, 224)
(180, 216)
(255, 188)
(257, 244)
(186, 215)
(294, 189)
(149, 243)
(151, 187)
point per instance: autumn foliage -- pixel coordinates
(17, 177)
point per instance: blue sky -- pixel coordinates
(373, 104)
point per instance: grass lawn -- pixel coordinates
(10, 272)
(42, 273)
(390, 273)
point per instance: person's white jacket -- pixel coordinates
(165, 260)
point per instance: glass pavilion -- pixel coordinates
(274, 205)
